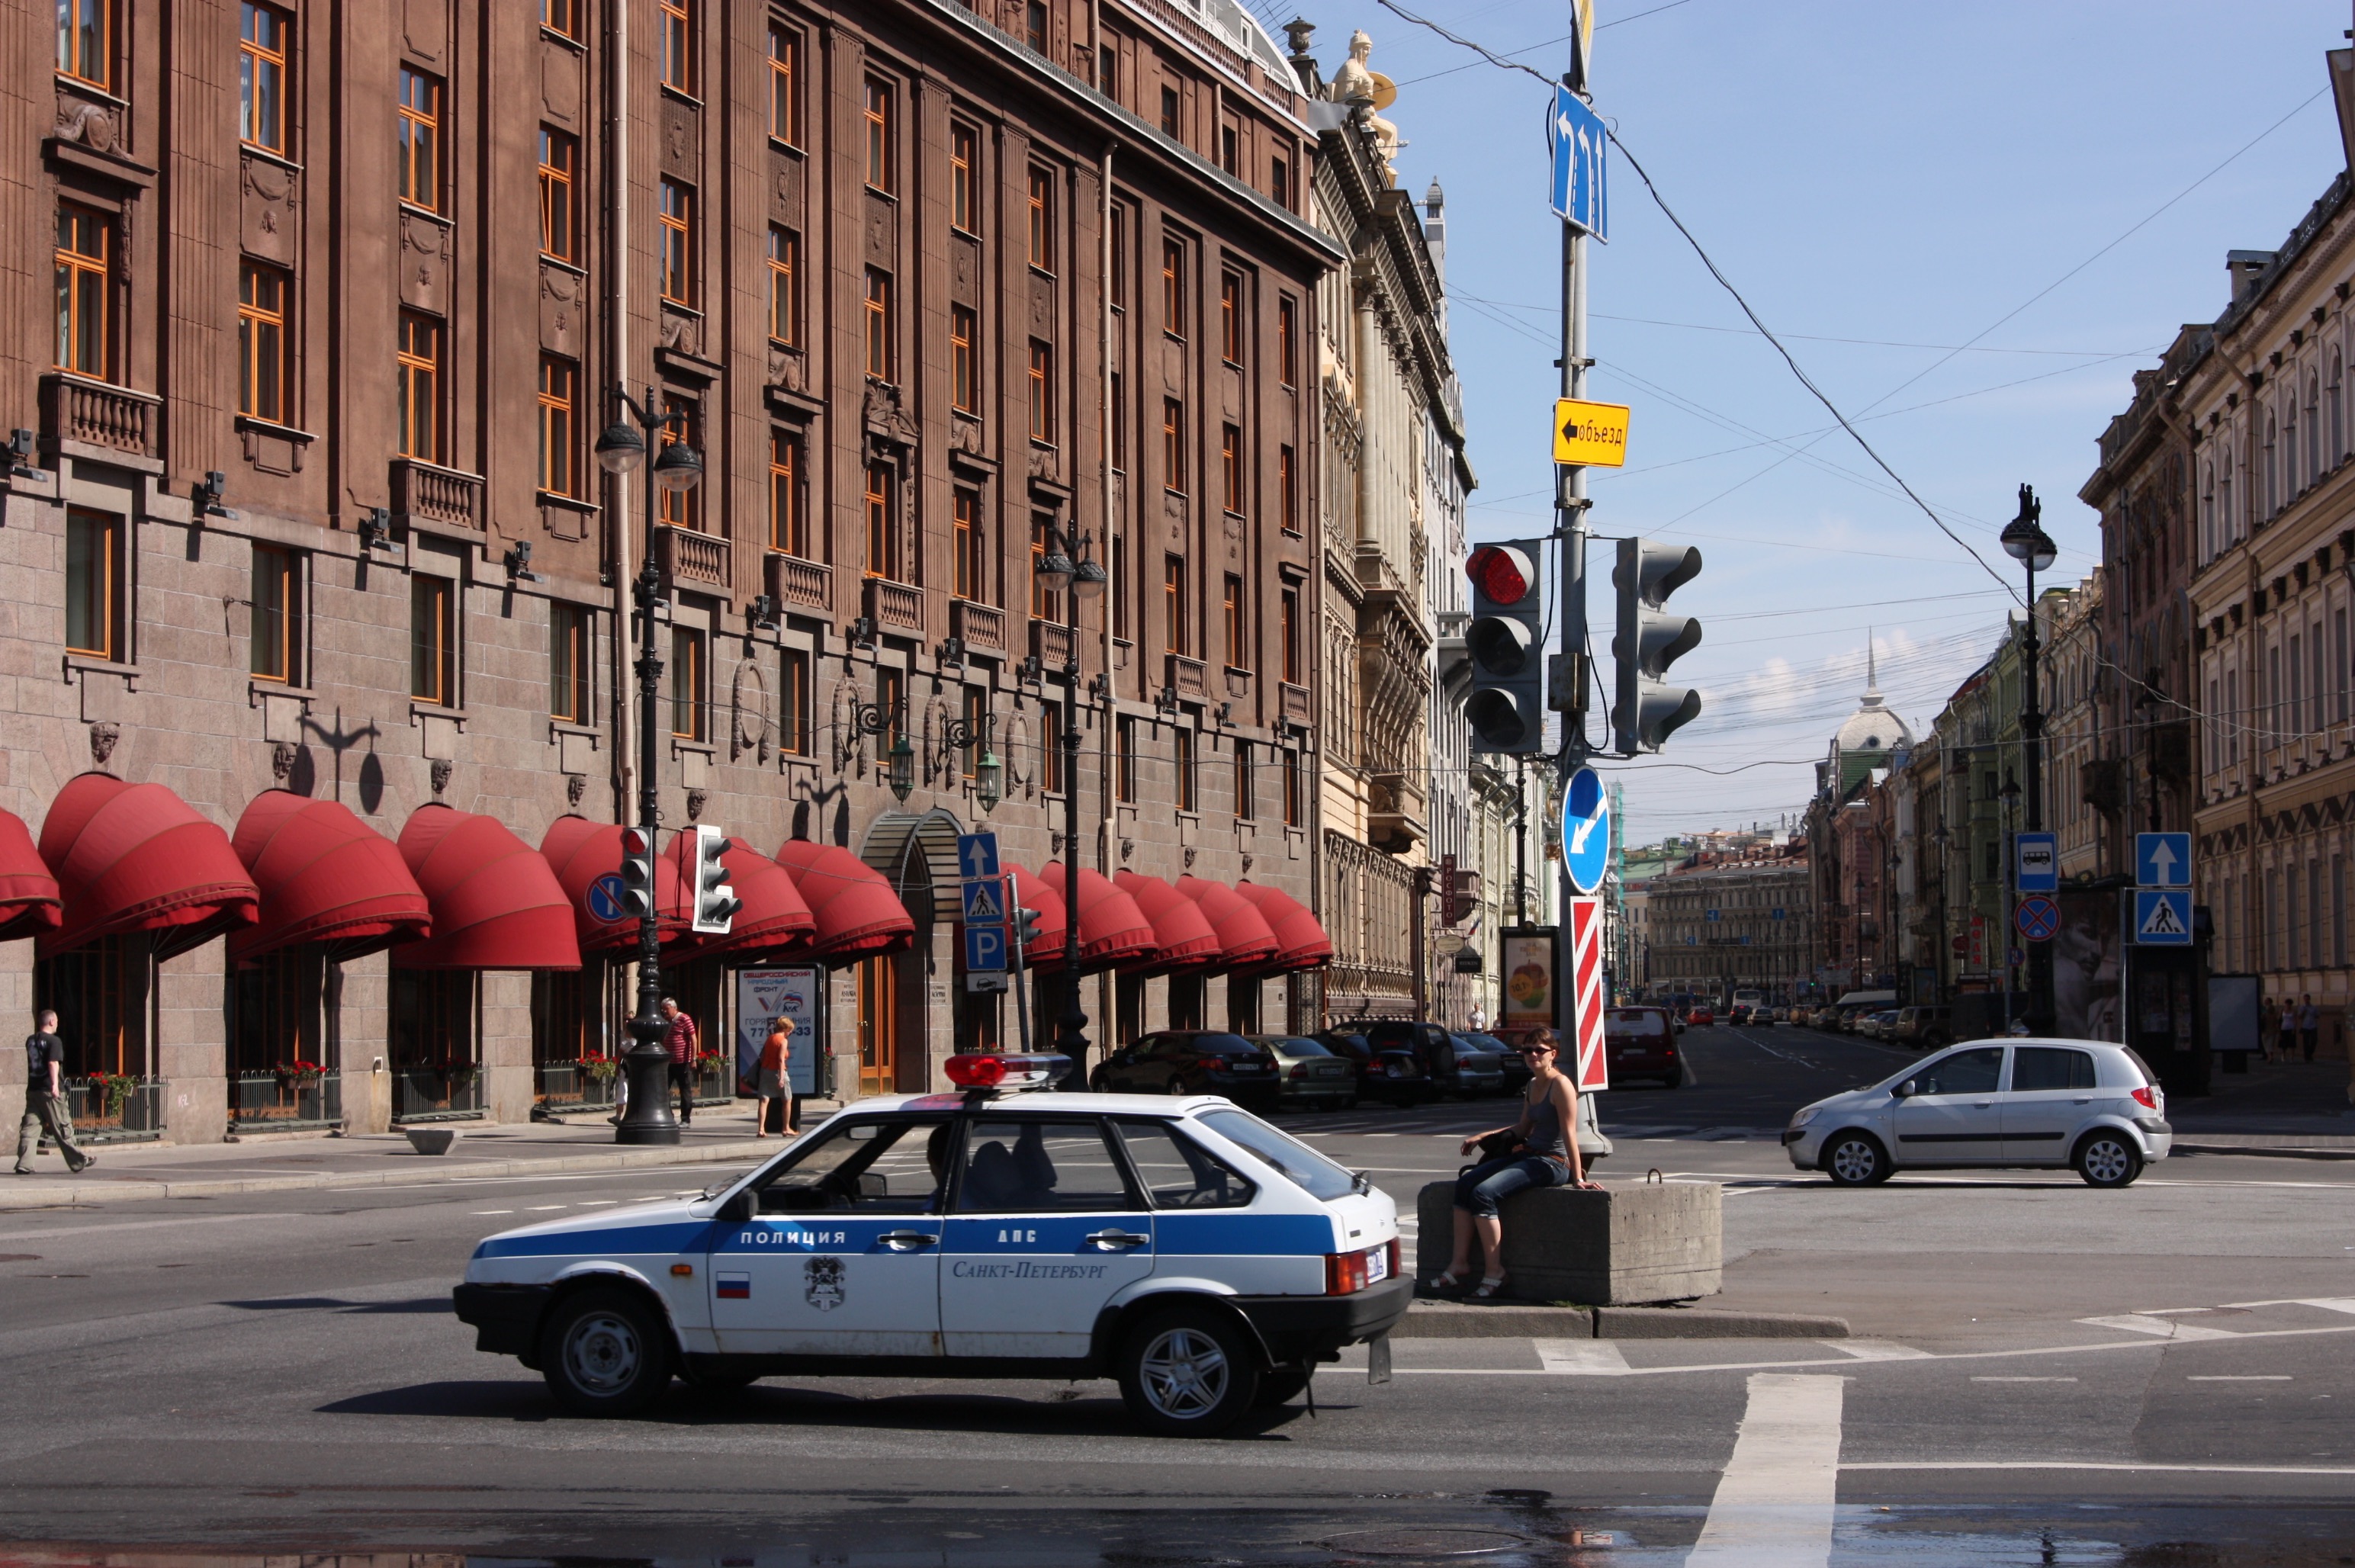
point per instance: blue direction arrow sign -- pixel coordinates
(2162, 916)
(984, 948)
(1580, 169)
(984, 902)
(2039, 866)
(976, 854)
(2163, 861)
(1586, 830)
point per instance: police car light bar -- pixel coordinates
(991, 1073)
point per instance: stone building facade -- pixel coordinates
(332, 309)
(1720, 923)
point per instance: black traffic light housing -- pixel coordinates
(1506, 640)
(716, 903)
(1026, 929)
(1649, 710)
(637, 873)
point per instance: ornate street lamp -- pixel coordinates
(2025, 540)
(1057, 571)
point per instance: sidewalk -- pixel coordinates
(2296, 1108)
(142, 1172)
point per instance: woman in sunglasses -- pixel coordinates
(1544, 1154)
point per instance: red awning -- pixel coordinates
(1114, 932)
(28, 894)
(325, 877)
(138, 858)
(776, 918)
(1031, 892)
(1300, 939)
(858, 914)
(1245, 940)
(1180, 929)
(583, 854)
(496, 904)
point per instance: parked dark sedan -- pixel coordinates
(1509, 1061)
(1435, 1049)
(1394, 1075)
(1191, 1061)
(1309, 1073)
(1642, 1044)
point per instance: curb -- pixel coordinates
(77, 1195)
(2179, 1147)
(1456, 1320)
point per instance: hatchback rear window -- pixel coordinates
(1283, 1153)
(2051, 1067)
(1223, 1045)
(1635, 1022)
(2141, 1066)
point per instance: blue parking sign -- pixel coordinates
(984, 948)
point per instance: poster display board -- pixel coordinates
(763, 995)
(1527, 955)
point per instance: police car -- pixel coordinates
(1206, 1260)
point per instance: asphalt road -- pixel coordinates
(281, 1373)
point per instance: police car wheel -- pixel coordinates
(606, 1351)
(1188, 1373)
(1280, 1387)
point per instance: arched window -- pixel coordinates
(2313, 427)
(2272, 489)
(2290, 485)
(2337, 410)
(2207, 513)
(2230, 527)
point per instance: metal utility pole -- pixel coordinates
(2025, 540)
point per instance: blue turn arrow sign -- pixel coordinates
(1586, 830)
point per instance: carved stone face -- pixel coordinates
(1362, 48)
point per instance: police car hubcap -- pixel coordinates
(1184, 1373)
(602, 1353)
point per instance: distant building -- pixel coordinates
(1719, 922)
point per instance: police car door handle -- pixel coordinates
(907, 1241)
(1109, 1240)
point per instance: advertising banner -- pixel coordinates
(1527, 955)
(762, 996)
(2086, 994)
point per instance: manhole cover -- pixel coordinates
(1415, 1542)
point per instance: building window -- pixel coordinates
(1287, 494)
(568, 663)
(84, 269)
(1294, 798)
(1287, 336)
(788, 519)
(264, 343)
(891, 701)
(1246, 783)
(880, 355)
(1045, 603)
(277, 619)
(1173, 288)
(688, 675)
(964, 371)
(1120, 586)
(677, 252)
(1173, 604)
(976, 710)
(1279, 182)
(1229, 146)
(1231, 317)
(1108, 71)
(420, 129)
(82, 46)
(972, 545)
(561, 17)
(94, 584)
(882, 524)
(1288, 633)
(1125, 760)
(881, 134)
(1169, 111)
(784, 285)
(418, 361)
(1042, 392)
(793, 702)
(964, 177)
(676, 44)
(560, 391)
(1173, 444)
(683, 421)
(1230, 467)
(263, 45)
(432, 640)
(1119, 242)
(1238, 643)
(786, 85)
(560, 173)
(1050, 749)
(1034, 25)
(1183, 771)
(1042, 220)
(1116, 416)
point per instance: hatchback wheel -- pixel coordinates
(2107, 1159)
(1673, 1079)
(1855, 1159)
(1187, 1372)
(606, 1351)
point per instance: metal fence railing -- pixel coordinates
(284, 1102)
(115, 1109)
(437, 1093)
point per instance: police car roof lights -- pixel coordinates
(989, 1073)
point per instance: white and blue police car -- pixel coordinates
(1206, 1260)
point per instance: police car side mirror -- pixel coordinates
(737, 1208)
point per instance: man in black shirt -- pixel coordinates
(45, 1100)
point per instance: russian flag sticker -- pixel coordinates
(735, 1286)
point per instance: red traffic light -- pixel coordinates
(1503, 574)
(633, 843)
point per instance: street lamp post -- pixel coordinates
(2025, 540)
(648, 1119)
(1075, 568)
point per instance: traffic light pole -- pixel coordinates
(1570, 507)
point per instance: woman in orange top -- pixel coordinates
(774, 1081)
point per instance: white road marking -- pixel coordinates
(1774, 1500)
(487, 1213)
(2239, 1378)
(2330, 1304)
(2102, 1464)
(1876, 1350)
(1581, 1357)
(145, 1225)
(2158, 1328)
(544, 1208)
(1992, 1379)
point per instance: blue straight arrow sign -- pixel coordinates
(977, 855)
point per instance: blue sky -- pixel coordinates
(1883, 182)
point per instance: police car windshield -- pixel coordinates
(1282, 1152)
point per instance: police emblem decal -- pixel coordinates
(823, 1278)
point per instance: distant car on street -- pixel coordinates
(1454, 1068)
(1395, 1076)
(1925, 1028)
(1700, 1016)
(1191, 1061)
(1514, 1070)
(1738, 1014)
(1642, 1044)
(1308, 1075)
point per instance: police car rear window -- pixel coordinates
(1285, 1153)
(1179, 1173)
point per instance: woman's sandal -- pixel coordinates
(1489, 1287)
(1447, 1280)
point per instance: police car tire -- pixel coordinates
(1279, 1386)
(1222, 1381)
(606, 1351)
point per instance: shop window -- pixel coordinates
(676, 252)
(560, 395)
(793, 702)
(964, 177)
(434, 1044)
(1042, 392)
(85, 255)
(691, 696)
(276, 624)
(1042, 220)
(432, 640)
(568, 663)
(785, 84)
(100, 993)
(416, 359)
(788, 519)
(94, 586)
(275, 1014)
(882, 134)
(570, 1010)
(265, 44)
(264, 343)
(1237, 640)
(83, 43)
(1173, 445)
(971, 539)
(1231, 317)
(879, 1025)
(884, 541)
(882, 352)
(784, 285)
(964, 368)
(675, 42)
(419, 165)
(559, 176)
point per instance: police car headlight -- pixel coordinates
(1804, 1117)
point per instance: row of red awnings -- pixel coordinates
(458, 890)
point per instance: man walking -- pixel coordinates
(679, 1040)
(2309, 1025)
(45, 1100)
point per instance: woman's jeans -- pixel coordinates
(1482, 1186)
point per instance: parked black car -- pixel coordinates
(1514, 1068)
(1309, 1072)
(1432, 1047)
(1395, 1075)
(1191, 1061)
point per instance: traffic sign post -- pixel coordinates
(2038, 863)
(2163, 861)
(1586, 831)
(984, 903)
(2036, 918)
(1595, 435)
(2162, 916)
(977, 855)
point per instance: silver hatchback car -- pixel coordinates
(2059, 1103)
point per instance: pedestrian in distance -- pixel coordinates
(2268, 1028)
(679, 1039)
(774, 1077)
(2309, 1025)
(1479, 1020)
(1543, 1153)
(45, 1099)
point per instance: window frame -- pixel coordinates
(689, 673)
(1289, 634)
(784, 286)
(1174, 618)
(1185, 792)
(884, 544)
(254, 320)
(1287, 489)
(785, 84)
(570, 666)
(419, 380)
(75, 45)
(878, 106)
(281, 606)
(1125, 759)
(561, 18)
(969, 536)
(417, 176)
(1173, 446)
(1173, 288)
(103, 601)
(261, 62)
(883, 356)
(432, 639)
(85, 286)
(1230, 316)
(793, 708)
(964, 177)
(1287, 341)
(675, 258)
(1246, 783)
(788, 521)
(965, 360)
(1041, 380)
(1232, 609)
(559, 410)
(1042, 210)
(683, 421)
(1046, 602)
(675, 46)
(559, 187)
(1230, 468)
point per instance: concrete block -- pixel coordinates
(1468, 1320)
(1702, 1323)
(1619, 1246)
(431, 1140)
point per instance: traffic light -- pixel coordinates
(1506, 640)
(1649, 710)
(637, 873)
(1026, 930)
(716, 903)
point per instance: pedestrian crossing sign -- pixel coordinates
(2162, 917)
(984, 903)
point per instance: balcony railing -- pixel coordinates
(95, 413)
(806, 583)
(283, 1102)
(431, 493)
(895, 604)
(115, 1110)
(1296, 703)
(686, 556)
(1188, 676)
(1050, 641)
(437, 1093)
(981, 627)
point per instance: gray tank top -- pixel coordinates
(1545, 1136)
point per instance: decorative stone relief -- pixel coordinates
(789, 369)
(879, 233)
(1046, 463)
(88, 122)
(441, 770)
(1042, 307)
(696, 801)
(268, 207)
(680, 333)
(850, 754)
(786, 199)
(575, 787)
(966, 436)
(559, 310)
(886, 418)
(1021, 767)
(424, 262)
(749, 705)
(677, 137)
(102, 739)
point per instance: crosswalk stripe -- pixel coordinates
(1774, 1500)
(1581, 1357)
(1876, 1350)
(2158, 1328)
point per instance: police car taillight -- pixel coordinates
(990, 1071)
(1345, 1274)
